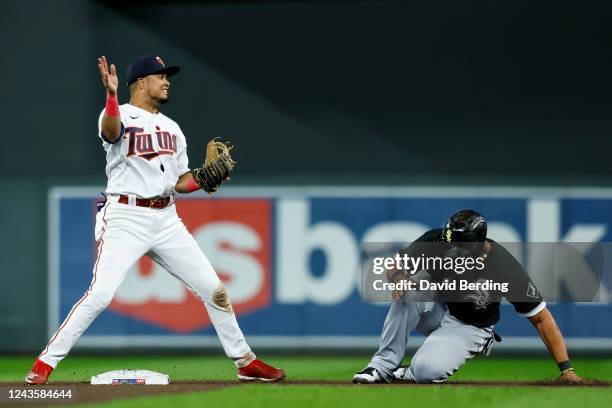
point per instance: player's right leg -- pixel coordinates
(179, 253)
(402, 319)
(445, 350)
(123, 237)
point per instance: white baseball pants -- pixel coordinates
(124, 234)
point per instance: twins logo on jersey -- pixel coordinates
(141, 144)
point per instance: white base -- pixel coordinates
(130, 377)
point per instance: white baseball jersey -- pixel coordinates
(148, 157)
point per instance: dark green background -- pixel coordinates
(438, 92)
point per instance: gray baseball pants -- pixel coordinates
(448, 345)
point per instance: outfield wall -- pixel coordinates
(290, 261)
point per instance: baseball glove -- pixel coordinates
(217, 167)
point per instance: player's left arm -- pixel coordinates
(213, 172)
(529, 302)
(545, 324)
(186, 184)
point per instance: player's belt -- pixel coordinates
(147, 202)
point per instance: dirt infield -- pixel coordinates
(86, 393)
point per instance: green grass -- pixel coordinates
(80, 368)
(253, 396)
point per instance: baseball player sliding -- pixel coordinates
(458, 324)
(146, 165)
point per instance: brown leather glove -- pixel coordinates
(217, 167)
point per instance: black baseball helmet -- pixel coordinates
(465, 226)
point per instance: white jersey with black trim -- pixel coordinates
(149, 156)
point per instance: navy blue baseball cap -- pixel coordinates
(148, 65)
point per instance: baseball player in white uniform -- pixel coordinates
(146, 165)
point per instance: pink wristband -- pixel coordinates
(112, 105)
(192, 185)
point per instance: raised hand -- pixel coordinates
(109, 76)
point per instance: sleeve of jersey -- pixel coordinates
(102, 136)
(182, 161)
(522, 292)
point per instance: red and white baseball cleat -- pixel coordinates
(260, 371)
(39, 373)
